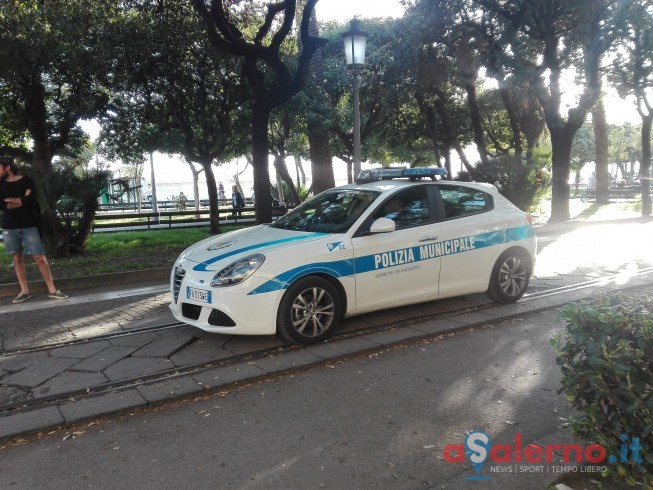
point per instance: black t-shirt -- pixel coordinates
(24, 216)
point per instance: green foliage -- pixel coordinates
(302, 192)
(55, 61)
(625, 143)
(523, 182)
(582, 150)
(605, 355)
(117, 252)
(386, 99)
(69, 197)
(173, 92)
(179, 201)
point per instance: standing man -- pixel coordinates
(237, 201)
(591, 184)
(20, 228)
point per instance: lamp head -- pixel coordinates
(355, 41)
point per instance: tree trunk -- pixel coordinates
(85, 225)
(284, 175)
(509, 105)
(645, 165)
(463, 159)
(260, 145)
(36, 115)
(155, 206)
(562, 132)
(350, 170)
(447, 162)
(321, 158)
(214, 210)
(196, 186)
(475, 115)
(196, 191)
(450, 133)
(301, 175)
(318, 138)
(601, 152)
(37, 126)
(561, 142)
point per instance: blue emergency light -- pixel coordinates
(389, 173)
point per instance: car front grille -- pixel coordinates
(191, 311)
(176, 282)
(220, 319)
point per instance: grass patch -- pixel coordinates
(591, 210)
(115, 252)
(632, 206)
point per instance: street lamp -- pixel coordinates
(355, 41)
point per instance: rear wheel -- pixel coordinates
(309, 311)
(510, 276)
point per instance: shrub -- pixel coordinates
(69, 200)
(523, 182)
(606, 358)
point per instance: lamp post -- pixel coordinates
(355, 41)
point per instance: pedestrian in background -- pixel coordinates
(591, 183)
(21, 227)
(237, 201)
(181, 201)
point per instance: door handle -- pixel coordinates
(428, 239)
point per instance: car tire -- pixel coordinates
(309, 311)
(510, 276)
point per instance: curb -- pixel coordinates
(161, 274)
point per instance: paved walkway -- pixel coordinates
(374, 422)
(87, 313)
(586, 253)
(97, 362)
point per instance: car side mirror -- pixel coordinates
(382, 225)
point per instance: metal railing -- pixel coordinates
(162, 219)
(175, 219)
(131, 220)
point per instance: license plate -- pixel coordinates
(198, 295)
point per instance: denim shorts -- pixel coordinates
(23, 240)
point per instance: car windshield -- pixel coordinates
(332, 211)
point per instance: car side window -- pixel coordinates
(464, 201)
(409, 207)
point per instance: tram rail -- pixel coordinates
(347, 332)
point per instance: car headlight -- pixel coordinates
(238, 271)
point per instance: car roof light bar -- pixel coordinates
(389, 173)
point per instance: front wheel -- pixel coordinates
(510, 277)
(309, 311)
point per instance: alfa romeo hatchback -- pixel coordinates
(356, 249)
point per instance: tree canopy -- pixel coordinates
(214, 80)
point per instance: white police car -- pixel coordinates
(355, 249)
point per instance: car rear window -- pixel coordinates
(462, 201)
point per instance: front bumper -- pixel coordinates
(231, 310)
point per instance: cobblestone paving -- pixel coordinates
(61, 323)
